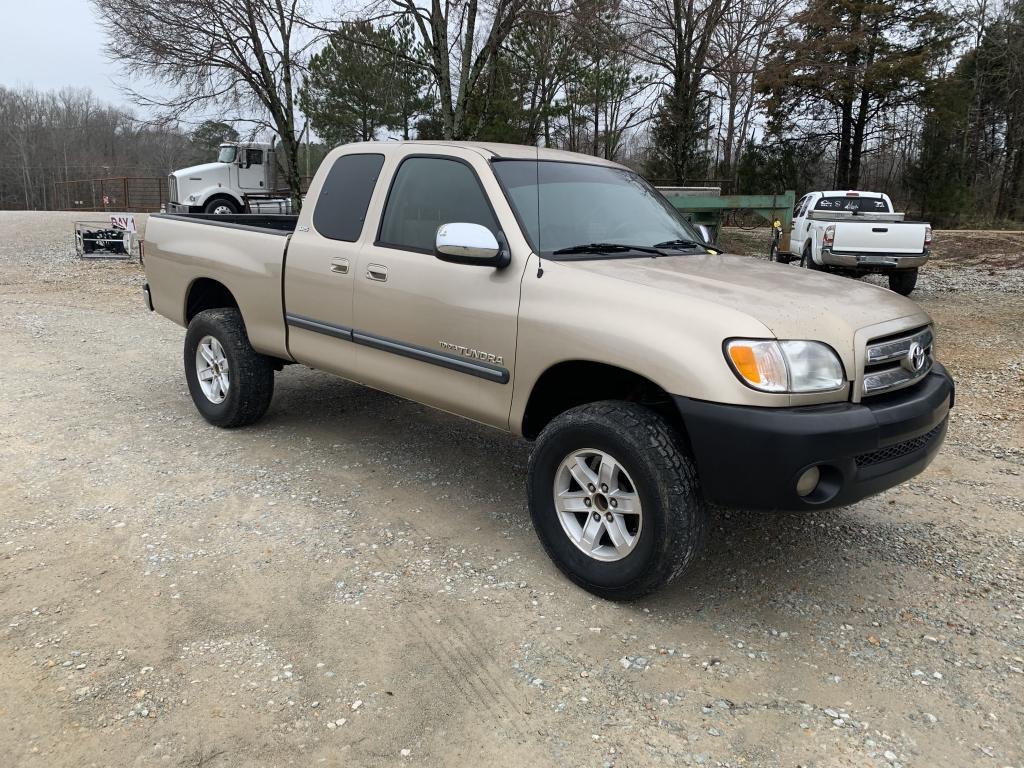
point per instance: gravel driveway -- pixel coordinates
(355, 582)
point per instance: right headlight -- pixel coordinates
(785, 366)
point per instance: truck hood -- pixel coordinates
(792, 303)
(208, 171)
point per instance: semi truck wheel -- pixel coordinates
(221, 206)
(615, 499)
(231, 383)
(903, 282)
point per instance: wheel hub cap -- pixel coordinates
(212, 369)
(597, 505)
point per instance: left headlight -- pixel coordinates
(785, 366)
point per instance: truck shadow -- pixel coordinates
(749, 557)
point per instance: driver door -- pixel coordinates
(440, 333)
(250, 170)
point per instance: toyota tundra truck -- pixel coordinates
(562, 299)
(855, 233)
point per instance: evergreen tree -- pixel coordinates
(847, 61)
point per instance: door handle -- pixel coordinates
(340, 266)
(377, 272)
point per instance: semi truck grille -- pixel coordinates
(897, 361)
(172, 189)
(898, 450)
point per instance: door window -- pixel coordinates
(426, 193)
(254, 157)
(341, 207)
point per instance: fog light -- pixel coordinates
(808, 482)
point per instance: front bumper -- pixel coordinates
(873, 261)
(751, 457)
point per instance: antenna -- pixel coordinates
(536, 148)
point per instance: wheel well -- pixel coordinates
(578, 382)
(206, 293)
(223, 196)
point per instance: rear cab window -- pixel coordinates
(852, 204)
(341, 206)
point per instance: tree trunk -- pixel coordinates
(857, 144)
(843, 156)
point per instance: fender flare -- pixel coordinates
(210, 193)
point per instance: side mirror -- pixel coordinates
(707, 233)
(464, 243)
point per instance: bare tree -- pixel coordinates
(738, 48)
(462, 40)
(678, 39)
(239, 56)
(47, 138)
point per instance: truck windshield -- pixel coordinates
(227, 154)
(580, 204)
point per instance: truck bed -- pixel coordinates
(190, 254)
(862, 235)
(275, 223)
(856, 216)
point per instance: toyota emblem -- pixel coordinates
(915, 359)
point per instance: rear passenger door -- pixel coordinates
(320, 265)
(440, 333)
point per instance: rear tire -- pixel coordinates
(807, 260)
(904, 281)
(651, 473)
(231, 383)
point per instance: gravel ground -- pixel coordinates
(354, 581)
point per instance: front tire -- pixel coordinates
(615, 499)
(904, 281)
(231, 383)
(221, 206)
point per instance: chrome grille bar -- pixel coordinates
(894, 349)
(894, 363)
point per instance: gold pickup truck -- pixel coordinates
(559, 297)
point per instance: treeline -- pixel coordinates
(923, 99)
(48, 138)
(912, 97)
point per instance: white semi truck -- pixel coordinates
(244, 175)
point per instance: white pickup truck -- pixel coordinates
(857, 233)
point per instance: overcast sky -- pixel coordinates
(50, 44)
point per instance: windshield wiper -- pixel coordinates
(679, 244)
(608, 248)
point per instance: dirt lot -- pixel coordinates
(355, 582)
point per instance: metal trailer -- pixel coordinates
(707, 207)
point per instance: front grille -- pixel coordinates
(898, 450)
(172, 189)
(897, 361)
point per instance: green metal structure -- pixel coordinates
(702, 206)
